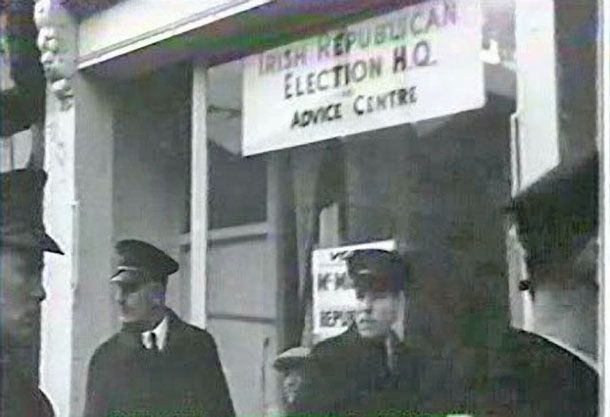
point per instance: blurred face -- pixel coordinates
(21, 293)
(138, 302)
(292, 383)
(376, 312)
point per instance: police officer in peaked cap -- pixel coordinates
(23, 241)
(365, 369)
(157, 364)
(368, 369)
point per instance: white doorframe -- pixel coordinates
(199, 195)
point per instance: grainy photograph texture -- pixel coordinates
(269, 208)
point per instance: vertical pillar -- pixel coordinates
(199, 194)
(78, 211)
(56, 40)
(603, 123)
(282, 247)
(282, 254)
(60, 272)
(536, 117)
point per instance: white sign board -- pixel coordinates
(417, 63)
(334, 298)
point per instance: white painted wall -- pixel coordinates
(93, 227)
(242, 285)
(151, 168)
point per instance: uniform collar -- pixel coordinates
(160, 333)
(352, 337)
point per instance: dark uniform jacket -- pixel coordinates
(530, 376)
(527, 376)
(184, 379)
(20, 397)
(348, 375)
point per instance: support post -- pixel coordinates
(77, 315)
(199, 195)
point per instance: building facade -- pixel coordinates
(151, 132)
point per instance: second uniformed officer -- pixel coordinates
(351, 371)
(157, 365)
(367, 370)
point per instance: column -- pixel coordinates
(199, 195)
(78, 212)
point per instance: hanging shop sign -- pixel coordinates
(334, 297)
(420, 62)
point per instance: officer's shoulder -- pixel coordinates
(519, 344)
(108, 347)
(332, 345)
(196, 334)
(529, 350)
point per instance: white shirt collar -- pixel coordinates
(160, 332)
